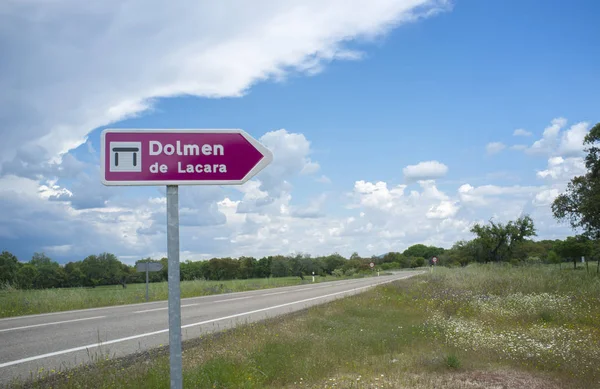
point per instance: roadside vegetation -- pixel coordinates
(478, 326)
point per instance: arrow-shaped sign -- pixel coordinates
(141, 267)
(180, 157)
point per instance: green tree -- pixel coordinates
(49, 273)
(102, 269)
(9, 266)
(26, 276)
(574, 247)
(332, 262)
(528, 249)
(280, 267)
(263, 268)
(497, 240)
(553, 257)
(40, 259)
(247, 266)
(423, 251)
(580, 204)
(74, 275)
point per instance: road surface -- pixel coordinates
(67, 339)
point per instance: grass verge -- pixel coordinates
(478, 327)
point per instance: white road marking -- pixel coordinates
(239, 298)
(163, 308)
(49, 324)
(94, 345)
(271, 294)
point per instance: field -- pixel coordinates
(477, 327)
(15, 302)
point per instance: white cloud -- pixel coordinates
(142, 50)
(443, 210)
(494, 147)
(561, 169)
(522, 132)
(310, 167)
(291, 157)
(486, 195)
(571, 143)
(518, 147)
(313, 210)
(546, 197)
(549, 140)
(425, 171)
(324, 180)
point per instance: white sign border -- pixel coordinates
(265, 160)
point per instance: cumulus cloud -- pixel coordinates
(494, 147)
(313, 210)
(522, 132)
(562, 170)
(291, 157)
(571, 143)
(109, 60)
(546, 197)
(425, 171)
(491, 194)
(549, 140)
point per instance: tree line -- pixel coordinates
(493, 242)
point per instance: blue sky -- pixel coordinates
(346, 96)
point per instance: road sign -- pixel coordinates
(434, 259)
(151, 266)
(173, 158)
(372, 265)
(180, 157)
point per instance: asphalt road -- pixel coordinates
(67, 339)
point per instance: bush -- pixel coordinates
(337, 273)
(452, 361)
(417, 262)
(350, 272)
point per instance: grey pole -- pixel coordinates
(147, 266)
(174, 289)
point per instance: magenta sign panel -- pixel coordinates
(180, 157)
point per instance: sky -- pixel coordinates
(392, 122)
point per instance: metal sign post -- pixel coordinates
(174, 289)
(147, 267)
(174, 157)
(147, 279)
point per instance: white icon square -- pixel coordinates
(125, 157)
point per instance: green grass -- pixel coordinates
(476, 327)
(16, 302)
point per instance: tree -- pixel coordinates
(263, 268)
(498, 240)
(332, 262)
(280, 267)
(553, 258)
(248, 267)
(423, 251)
(102, 269)
(9, 266)
(26, 276)
(574, 248)
(49, 273)
(580, 204)
(528, 250)
(74, 275)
